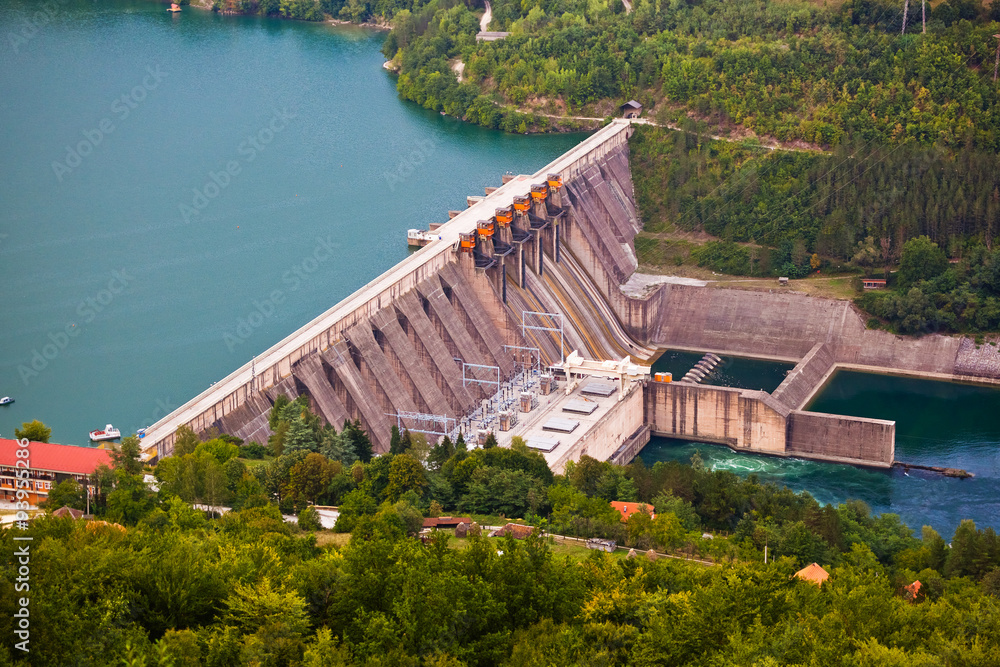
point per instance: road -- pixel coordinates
(487, 17)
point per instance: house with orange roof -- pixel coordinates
(813, 573)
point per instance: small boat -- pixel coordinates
(6, 400)
(174, 7)
(108, 433)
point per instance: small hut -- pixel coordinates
(631, 109)
(602, 545)
(518, 531)
(813, 573)
(66, 510)
(912, 591)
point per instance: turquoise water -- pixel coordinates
(739, 372)
(125, 292)
(937, 423)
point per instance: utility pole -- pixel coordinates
(923, 16)
(997, 65)
(906, 9)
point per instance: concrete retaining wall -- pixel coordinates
(803, 380)
(785, 325)
(843, 439)
(632, 446)
(608, 434)
(755, 421)
(742, 419)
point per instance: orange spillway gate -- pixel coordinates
(504, 216)
(540, 192)
(522, 204)
(554, 181)
(485, 228)
(467, 242)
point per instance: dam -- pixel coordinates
(454, 337)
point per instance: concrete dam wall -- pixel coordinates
(419, 338)
(756, 421)
(537, 268)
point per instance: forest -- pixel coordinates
(788, 70)
(856, 209)
(156, 581)
(799, 72)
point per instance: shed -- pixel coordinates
(873, 283)
(66, 510)
(602, 545)
(631, 109)
(516, 530)
(813, 573)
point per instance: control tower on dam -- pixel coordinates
(543, 266)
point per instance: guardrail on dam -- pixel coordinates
(436, 334)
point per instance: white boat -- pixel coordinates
(6, 400)
(108, 433)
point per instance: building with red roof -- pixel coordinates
(47, 465)
(627, 509)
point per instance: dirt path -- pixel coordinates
(487, 17)
(672, 126)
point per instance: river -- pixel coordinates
(179, 192)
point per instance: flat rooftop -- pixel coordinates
(536, 426)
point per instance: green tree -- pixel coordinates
(491, 441)
(126, 456)
(405, 474)
(396, 441)
(309, 519)
(310, 478)
(67, 493)
(35, 431)
(922, 259)
(300, 436)
(185, 441)
(218, 448)
(357, 441)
